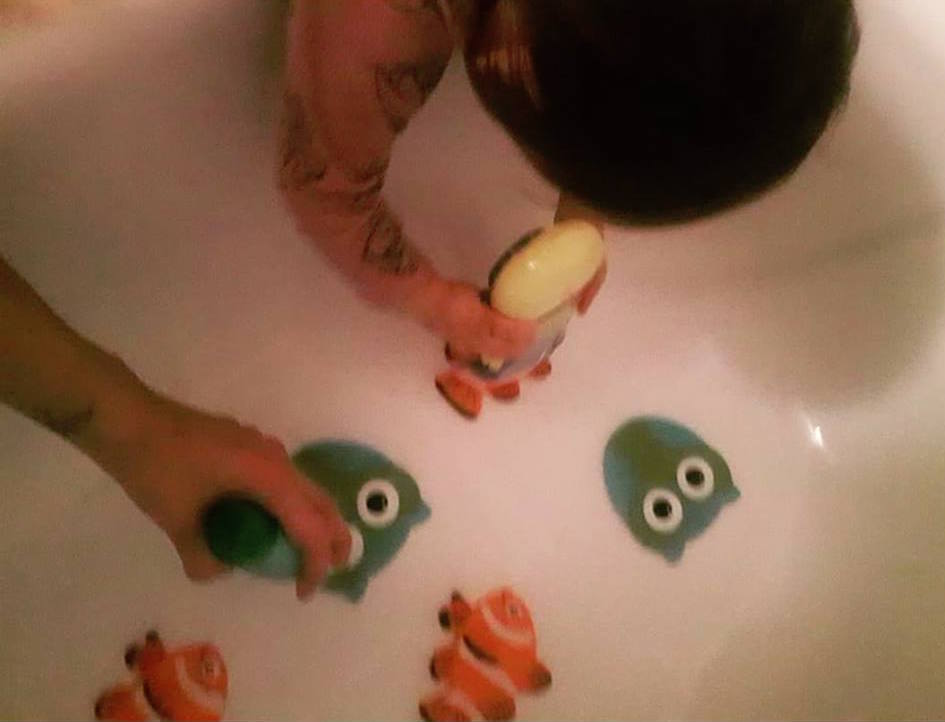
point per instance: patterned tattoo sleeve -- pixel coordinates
(386, 248)
(300, 165)
(401, 88)
(65, 424)
(333, 177)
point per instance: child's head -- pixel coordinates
(656, 111)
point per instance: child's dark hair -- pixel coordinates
(658, 111)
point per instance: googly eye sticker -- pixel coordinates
(662, 511)
(695, 478)
(378, 503)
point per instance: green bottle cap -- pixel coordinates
(239, 531)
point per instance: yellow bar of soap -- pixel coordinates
(552, 267)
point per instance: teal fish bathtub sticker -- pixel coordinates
(665, 482)
(380, 501)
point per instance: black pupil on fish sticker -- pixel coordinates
(662, 508)
(695, 477)
(377, 502)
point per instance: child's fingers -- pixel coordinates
(462, 352)
(473, 329)
(497, 348)
(509, 337)
(590, 290)
(512, 329)
(482, 339)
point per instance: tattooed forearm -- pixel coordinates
(386, 248)
(363, 200)
(301, 165)
(368, 182)
(304, 165)
(67, 424)
(403, 87)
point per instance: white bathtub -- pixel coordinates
(802, 337)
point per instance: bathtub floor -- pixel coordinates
(802, 337)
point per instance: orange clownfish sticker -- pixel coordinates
(187, 683)
(491, 656)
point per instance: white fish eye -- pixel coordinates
(378, 503)
(662, 511)
(355, 555)
(695, 478)
(357, 547)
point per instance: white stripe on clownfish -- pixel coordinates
(495, 674)
(142, 704)
(208, 699)
(515, 637)
(461, 701)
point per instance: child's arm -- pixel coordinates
(170, 459)
(354, 78)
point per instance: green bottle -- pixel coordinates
(241, 533)
(380, 501)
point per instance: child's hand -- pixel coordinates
(454, 311)
(179, 460)
(589, 292)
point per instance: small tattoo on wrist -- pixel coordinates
(66, 424)
(300, 164)
(386, 248)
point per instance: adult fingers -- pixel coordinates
(339, 535)
(304, 518)
(199, 564)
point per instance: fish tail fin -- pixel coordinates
(123, 702)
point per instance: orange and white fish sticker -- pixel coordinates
(187, 683)
(491, 656)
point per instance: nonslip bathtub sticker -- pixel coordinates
(491, 655)
(380, 501)
(185, 683)
(665, 482)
